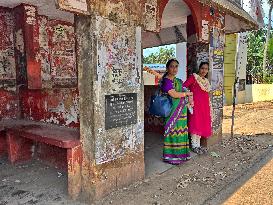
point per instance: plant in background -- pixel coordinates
(269, 68)
(160, 57)
(270, 2)
(256, 40)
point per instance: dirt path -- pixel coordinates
(250, 119)
(204, 179)
(208, 179)
(257, 190)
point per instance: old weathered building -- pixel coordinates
(84, 71)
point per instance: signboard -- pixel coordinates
(217, 65)
(218, 59)
(217, 99)
(120, 110)
(76, 6)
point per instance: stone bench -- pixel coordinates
(55, 145)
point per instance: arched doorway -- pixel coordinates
(175, 15)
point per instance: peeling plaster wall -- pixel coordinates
(37, 52)
(62, 54)
(8, 104)
(109, 62)
(43, 54)
(8, 98)
(118, 11)
(207, 45)
(118, 71)
(57, 106)
(56, 53)
(131, 13)
(7, 59)
(57, 101)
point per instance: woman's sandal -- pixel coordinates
(197, 150)
(204, 150)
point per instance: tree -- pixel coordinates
(255, 56)
(270, 2)
(270, 51)
(269, 70)
(160, 57)
(256, 40)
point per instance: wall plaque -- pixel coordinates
(120, 110)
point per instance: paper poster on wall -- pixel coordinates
(217, 85)
(218, 59)
(205, 30)
(217, 80)
(217, 99)
(217, 39)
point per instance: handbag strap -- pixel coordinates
(160, 92)
(159, 88)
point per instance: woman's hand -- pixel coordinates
(176, 94)
(188, 93)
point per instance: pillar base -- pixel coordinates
(214, 139)
(112, 176)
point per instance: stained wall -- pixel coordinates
(38, 67)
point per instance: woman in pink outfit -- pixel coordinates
(199, 122)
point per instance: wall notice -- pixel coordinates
(205, 30)
(120, 110)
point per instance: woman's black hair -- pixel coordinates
(203, 63)
(168, 65)
(170, 61)
(200, 66)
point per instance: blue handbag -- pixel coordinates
(160, 104)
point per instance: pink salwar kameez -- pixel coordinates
(199, 122)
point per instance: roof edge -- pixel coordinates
(233, 10)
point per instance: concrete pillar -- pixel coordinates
(26, 46)
(111, 104)
(241, 63)
(181, 56)
(207, 44)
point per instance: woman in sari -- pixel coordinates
(176, 142)
(199, 121)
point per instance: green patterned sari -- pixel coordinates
(176, 142)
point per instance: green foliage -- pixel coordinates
(256, 40)
(270, 51)
(160, 57)
(268, 79)
(255, 54)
